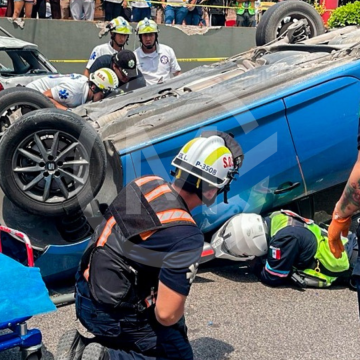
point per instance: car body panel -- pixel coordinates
(270, 163)
(323, 122)
(61, 257)
(293, 108)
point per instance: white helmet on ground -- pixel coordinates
(105, 79)
(244, 235)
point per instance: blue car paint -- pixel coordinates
(270, 161)
(316, 131)
(65, 257)
(298, 134)
(285, 141)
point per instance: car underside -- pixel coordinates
(277, 100)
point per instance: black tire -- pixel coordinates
(20, 98)
(52, 163)
(272, 23)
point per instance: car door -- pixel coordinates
(270, 175)
(323, 122)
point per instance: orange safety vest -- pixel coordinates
(144, 206)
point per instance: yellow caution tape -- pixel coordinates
(201, 59)
(197, 5)
(180, 60)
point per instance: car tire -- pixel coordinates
(272, 23)
(52, 163)
(17, 98)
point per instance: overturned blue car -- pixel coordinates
(293, 107)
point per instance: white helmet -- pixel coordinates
(105, 79)
(120, 26)
(243, 235)
(207, 159)
(147, 26)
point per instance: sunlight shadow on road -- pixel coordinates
(211, 349)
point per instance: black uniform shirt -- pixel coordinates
(104, 61)
(170, 255)
(291, 246)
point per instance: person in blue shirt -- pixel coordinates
(137, 271)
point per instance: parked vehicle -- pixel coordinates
(294, 108)
(21, 62)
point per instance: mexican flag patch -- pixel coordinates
(275, 253)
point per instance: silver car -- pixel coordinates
(20, 62)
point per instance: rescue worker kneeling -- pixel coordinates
(136, 273)
(288, 246)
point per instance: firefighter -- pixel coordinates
(70, 91)
(120, 30)
(136, 273)
(290, 247)
(156, 61)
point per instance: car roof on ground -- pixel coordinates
(7, 42)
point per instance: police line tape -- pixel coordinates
(263, 4)
(179, 60)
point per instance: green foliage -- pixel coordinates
(348, 14)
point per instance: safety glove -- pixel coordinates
(339, 226)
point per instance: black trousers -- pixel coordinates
(217, 20)
(113, 10)
(133, 336)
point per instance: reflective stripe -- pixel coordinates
(160, 190)
(174, 215)
(187, 147)
(146, 179)
(146, 234)
(102, 241)
(278, 273)
(216, 154)
(106, 232)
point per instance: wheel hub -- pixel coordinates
(51, 166)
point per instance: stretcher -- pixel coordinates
(22, 295)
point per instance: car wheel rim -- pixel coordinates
(50, 166)
(289, 20)
(13, 113)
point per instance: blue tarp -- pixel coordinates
(22, 291)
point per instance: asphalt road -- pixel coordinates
(230, 315)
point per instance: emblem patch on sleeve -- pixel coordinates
(275, 253)
(192, 273)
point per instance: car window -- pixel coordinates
(6, 63)
(17, 62)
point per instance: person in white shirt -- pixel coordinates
(70, 91)
(120, 30)
(157, 62)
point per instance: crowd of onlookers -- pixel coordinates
(191, 12)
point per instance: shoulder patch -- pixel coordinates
(275, 253)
